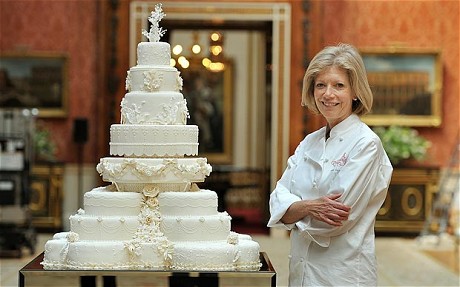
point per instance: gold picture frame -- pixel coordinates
(407, 86)
(209, 96)
(35, 80)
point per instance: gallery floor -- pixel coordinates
(402, 261)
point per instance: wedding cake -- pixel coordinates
(153, 215)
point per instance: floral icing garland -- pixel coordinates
(148, 230)
(142, 171)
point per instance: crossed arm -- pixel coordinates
(326, 209)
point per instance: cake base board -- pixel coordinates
(33, 274)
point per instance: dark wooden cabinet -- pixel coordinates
(409, 200)
(45, 203)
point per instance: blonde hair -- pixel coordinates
(347, 57)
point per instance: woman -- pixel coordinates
(336, 181)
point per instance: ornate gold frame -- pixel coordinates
(14, 63)
(408, 82)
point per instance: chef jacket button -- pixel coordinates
(326, 160)
(289, 256)
(302, 260)
(341, 139)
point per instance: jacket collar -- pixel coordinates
(344, 125)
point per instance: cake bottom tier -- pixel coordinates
(217, 255)
(60, 254)
(240, 253)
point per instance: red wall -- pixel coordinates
(408, 24)
(72, 26)
(66, 27)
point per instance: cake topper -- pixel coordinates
(156, 32)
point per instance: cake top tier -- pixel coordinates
(156, 32)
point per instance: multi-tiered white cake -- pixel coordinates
(153, 215)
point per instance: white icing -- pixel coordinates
(55, 254)
(248, 253)
(154, 79)
(101, 201)
(154, 54)
(104, 227)
(151, 170)
(60, 235)
(162, 109)
(194, 242)
(204, 255)
(203, 202)
(153, 140)
(196, 228)
(148, 248)
(101, 255)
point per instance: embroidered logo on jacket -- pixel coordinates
(341, 161)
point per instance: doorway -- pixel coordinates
(257, 45)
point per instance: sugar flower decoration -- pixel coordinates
(150, 190)
(134, 248)
(232, 238)
(72, 237)
(156, 32)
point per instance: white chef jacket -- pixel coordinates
(351, 162)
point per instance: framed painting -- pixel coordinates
(407, 86)
(34, 81)
(209, 96)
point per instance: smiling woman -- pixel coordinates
(336, 180)
(333, 95)
(348, 58)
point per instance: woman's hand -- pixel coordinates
(326, 209)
